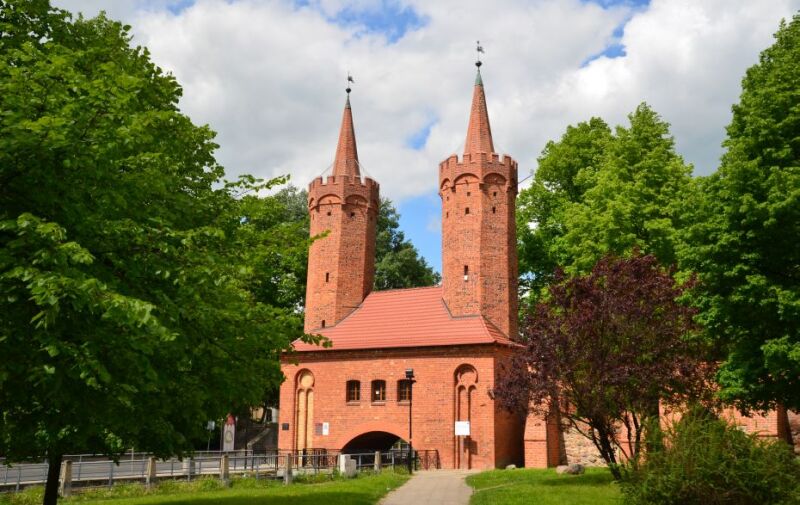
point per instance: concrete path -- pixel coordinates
(439, 487)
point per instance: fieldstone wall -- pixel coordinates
(580, 449)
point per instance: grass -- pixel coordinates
(363, 490)
(544, 487)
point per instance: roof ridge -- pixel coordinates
(403, 289)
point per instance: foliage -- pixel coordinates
(131, 308)
(744, 241)
(566, 170)
(703, 460)
(397, 262)
(543, 487)
(603, 350)
(636, 200)
(596, 193)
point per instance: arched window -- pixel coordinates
(353, 391)
(378, 391)
(404, 390)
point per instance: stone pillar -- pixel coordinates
(65, 482)
(377, 465)
(224, 468)
(287, 474)
(150, 477)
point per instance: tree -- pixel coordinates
(603, 350)
(744, 243)
(566, 170)
(636, 200)
(397, 262)
(130, 311)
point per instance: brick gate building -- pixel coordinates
(354, 395)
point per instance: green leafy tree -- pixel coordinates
(636, 201)
(566, 170)
(744, 243)
(397, 262)
(132, 307)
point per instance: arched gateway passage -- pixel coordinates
(370, 442)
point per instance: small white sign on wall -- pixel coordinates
(462, 428)
(326, 429)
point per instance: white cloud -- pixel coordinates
(269, 76)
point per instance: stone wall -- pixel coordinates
(580, 449)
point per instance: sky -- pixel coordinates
(269, 76)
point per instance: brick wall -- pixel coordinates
(433, 404)
(341, 265)
(479, 232)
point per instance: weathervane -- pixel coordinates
(349, 80)
(479, 49)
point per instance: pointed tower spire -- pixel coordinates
(346, 161)
(479, 132)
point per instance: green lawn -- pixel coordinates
(544, 487)
(363, 490)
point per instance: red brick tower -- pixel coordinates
(479, 258)
(341, 265)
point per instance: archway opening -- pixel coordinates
(372, 441)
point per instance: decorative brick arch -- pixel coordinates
(467, 179)
(304, 409)
(465, 381)
(395, 429)
(494, 178)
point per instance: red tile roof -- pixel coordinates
(414, 317)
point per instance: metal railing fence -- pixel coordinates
(92, 470)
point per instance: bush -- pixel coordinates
(703, 460)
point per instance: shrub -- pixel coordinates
(703, 460)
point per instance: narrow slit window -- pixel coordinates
(466, 211)
(329, 213)
(469, 194)
(494, 194)
(466, 272)
(352, 214)
(323, 323)
(494, 210)
(327, 276)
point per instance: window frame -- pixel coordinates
(378, 385)
(352, 385)
(401, 385)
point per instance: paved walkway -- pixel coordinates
(440, 487)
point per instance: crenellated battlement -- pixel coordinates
(340, 189)
(478, 165)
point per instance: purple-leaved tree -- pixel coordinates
(604, 349)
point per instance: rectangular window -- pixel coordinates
(404, 391)
(353, 391)
(378, 391)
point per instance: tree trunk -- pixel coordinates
(53, 474)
